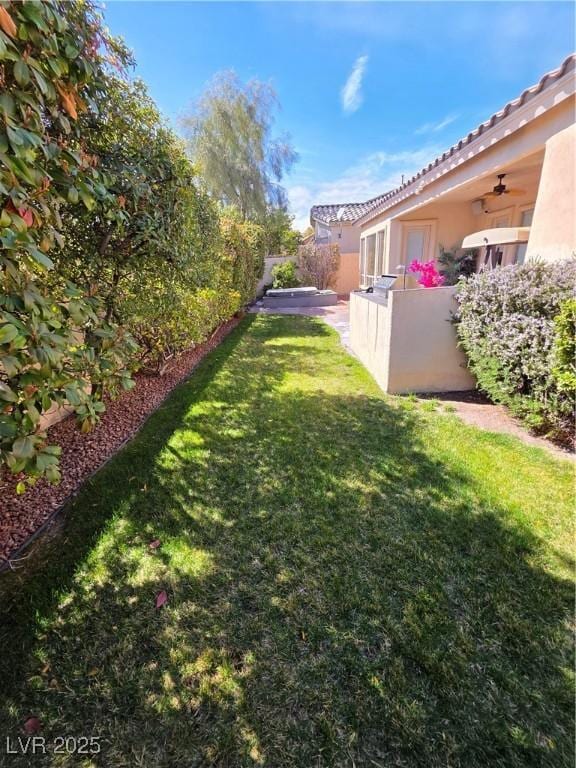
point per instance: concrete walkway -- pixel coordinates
(472, 407)
(337, 316)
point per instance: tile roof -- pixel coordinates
(568, 65)
(332, 213)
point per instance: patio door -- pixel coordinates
(417, 241)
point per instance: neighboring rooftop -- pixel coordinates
(349, 212)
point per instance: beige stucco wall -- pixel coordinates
(370, 325)
(409, 344)
(53, 415)
(269, 263)
(553, 232)
(348, 277)
(346, 237)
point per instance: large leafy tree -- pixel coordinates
(279, 236)
(159, 223)
(171, 266)
(231, 144)
(54, 343)
(105, 232)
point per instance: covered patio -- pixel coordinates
(517, 169)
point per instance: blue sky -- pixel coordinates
(368, 91)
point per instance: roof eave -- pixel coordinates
(413, 185)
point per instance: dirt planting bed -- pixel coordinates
(21, 517)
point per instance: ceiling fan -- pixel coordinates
(501, 189)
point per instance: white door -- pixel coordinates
(417, 243)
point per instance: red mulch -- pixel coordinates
(21, 516)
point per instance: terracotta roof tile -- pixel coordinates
(334, 212)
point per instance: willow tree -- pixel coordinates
(231, 143)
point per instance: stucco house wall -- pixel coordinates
(346, 237)
(553, 232)
(269, 263)
(348, 278)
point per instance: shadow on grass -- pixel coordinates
(337, 595)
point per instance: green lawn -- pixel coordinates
(352, 580)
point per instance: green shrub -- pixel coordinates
(456, 263)
(179, 317)
(564, 350)
(284, 275)
(242, 244)
(56, 342)
(507, 324)
(112, 254)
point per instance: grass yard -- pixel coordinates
(352, 580)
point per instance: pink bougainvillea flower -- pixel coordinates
(429, 275)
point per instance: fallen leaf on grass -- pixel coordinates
(32, 725)
(161, 598)
(155, 544)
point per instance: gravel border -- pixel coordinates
(23, 518)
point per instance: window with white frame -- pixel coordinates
(372, 257)
(525, 221)
(362, 261)
(380, 252)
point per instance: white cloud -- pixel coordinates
(437, 127)
(372, 175)
(351, 94)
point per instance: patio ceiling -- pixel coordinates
(523, 174)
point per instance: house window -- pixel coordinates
(372, 257)
(380, 251)
(525, 221)
(415, 244)
(502, 254)
(362, 261)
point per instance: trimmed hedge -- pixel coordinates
(507, 325)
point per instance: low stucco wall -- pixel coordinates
(408, 343)
(553, 231)
(53, 415)
(348, 277)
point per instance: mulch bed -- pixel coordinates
(21, 517)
